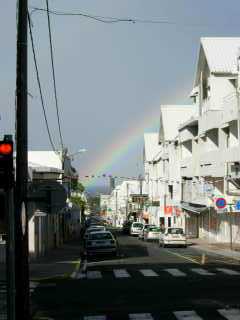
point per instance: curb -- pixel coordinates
(226, 255)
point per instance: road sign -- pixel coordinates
(237, 205)
(220, 203)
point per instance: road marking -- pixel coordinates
(148, 273)
(81, 275)
(95, 318)
(94, 275)
(203, 272)
(33, 285)
(230, 314)
(187, 315)
(229, 271)
(176, 272)
(75, 272)
(140, 316)
(121, 273)
(181, 256)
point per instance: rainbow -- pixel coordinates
(120, 147)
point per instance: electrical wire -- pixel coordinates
(111, 20)
(39, 84)
(53, 74)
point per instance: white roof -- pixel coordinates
(221, 53)
(171, 117)
(151, 146)
(45, 159)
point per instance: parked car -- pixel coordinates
(151, 233)
(101, 242)
(173, 236)
(141, 233)
(93, 228)
(136, 228)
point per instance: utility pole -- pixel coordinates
(21, 218)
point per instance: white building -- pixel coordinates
(162, 166)
(210, 151)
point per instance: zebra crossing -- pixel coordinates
(227, 314)
(149, 273)
(32, 286)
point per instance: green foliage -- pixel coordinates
(78, 202)
(77, 186)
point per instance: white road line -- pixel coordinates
(140, 316)
(229, 271)
(95, 318)
(230, 314)
(94, 275)
(121, 273)
(81, 275)
(176, 272)
(33, 285)
(187, 315)
(203, 272)
(148, 273)
(73, 275)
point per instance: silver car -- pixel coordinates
(151, 233)
(174, 237)
(101, 242)
(144, 229)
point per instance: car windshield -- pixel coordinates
(137, 225)
(101, 236)
(155, 229)
(175, 231)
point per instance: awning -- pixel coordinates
(192, 208)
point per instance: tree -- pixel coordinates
(77, 186)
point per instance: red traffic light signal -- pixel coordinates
(6, 148)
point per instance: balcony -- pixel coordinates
(186, 167)
(209, 120)
(193, 192)
(230, 108)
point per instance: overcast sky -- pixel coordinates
(110, 77)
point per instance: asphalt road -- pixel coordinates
(145, 282)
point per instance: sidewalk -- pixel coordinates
(222, 249)
(58, 262)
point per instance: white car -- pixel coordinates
(144, 229)
(93, 229)
(101, 242)
(136, 228)
(151, 233)
(173, 236)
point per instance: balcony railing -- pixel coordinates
(230, 107)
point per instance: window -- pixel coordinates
(170, 190)
(175, 231)
(101, 236)
(169, 221)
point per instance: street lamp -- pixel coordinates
(75, 153)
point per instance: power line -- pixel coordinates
(112, 20)
(39, 84)
(53, 74)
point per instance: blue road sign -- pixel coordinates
(221, 203)
(237, 205)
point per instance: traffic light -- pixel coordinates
(6, 163)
